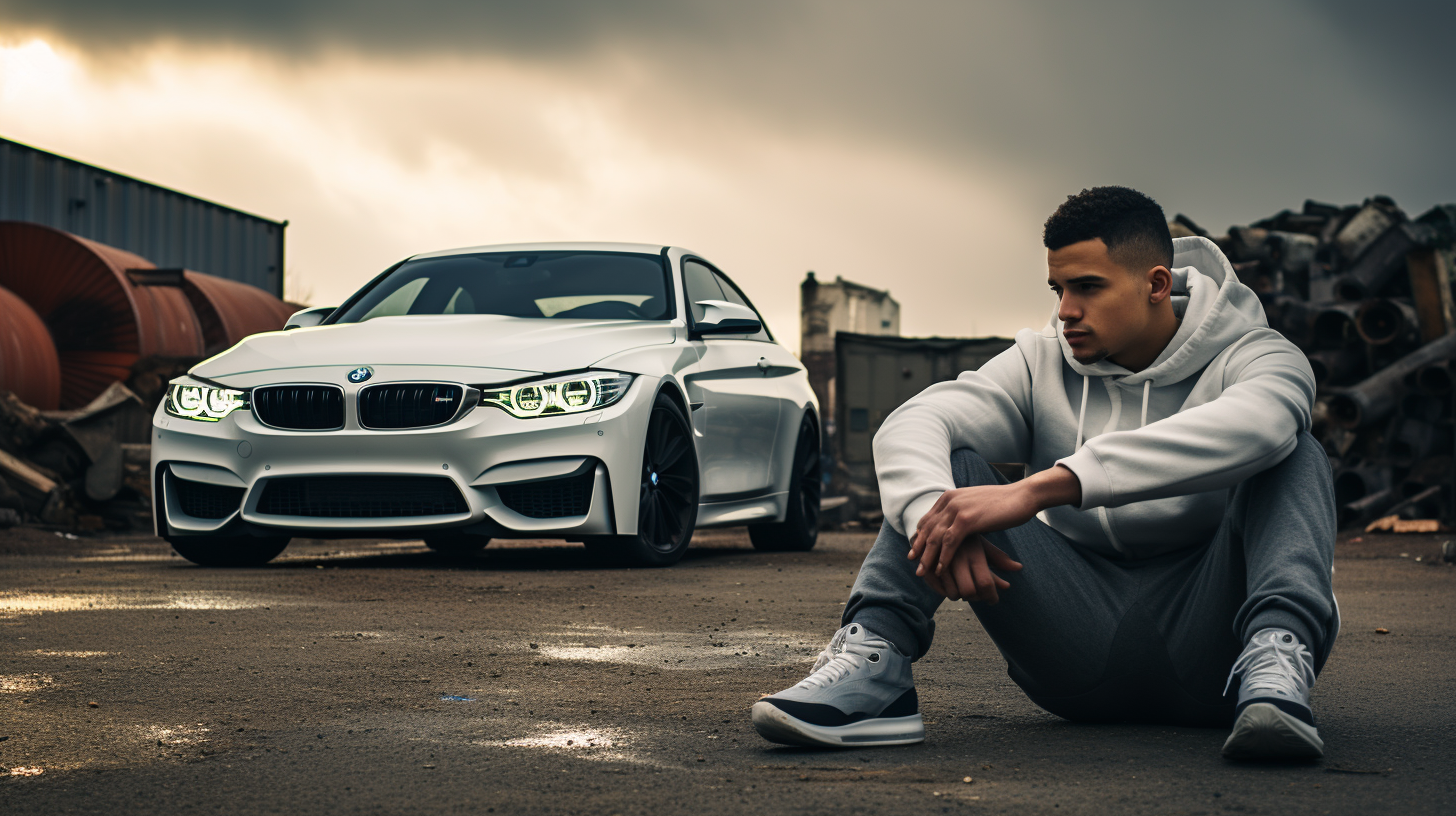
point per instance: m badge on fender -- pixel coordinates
(360, 374)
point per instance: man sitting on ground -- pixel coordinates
(1177, 532)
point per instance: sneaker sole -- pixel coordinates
(1265, 732)
(776, 725)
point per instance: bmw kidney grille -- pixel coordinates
(391, 406)
(300, 407)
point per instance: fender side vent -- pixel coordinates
(550, 498)
(207, 501)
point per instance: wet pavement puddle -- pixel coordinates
(115, 554)
(596, 744)
(566, 740)
(24, 683)
(681, 650)
(175, 735)
(16, 604)
(373, 550)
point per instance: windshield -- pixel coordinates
(567, 285)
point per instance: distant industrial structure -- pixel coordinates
(861, 370)
(170, 229)
(825, 309)
(101, 273)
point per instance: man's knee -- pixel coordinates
(1310, 454)
(968, 469)
(1307, 466)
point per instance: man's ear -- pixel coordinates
(1160, 284)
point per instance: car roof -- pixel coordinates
(550, 246)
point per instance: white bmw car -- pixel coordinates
(620, 395)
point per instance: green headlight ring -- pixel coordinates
(202, 403)
(558, 396)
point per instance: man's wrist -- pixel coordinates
(1053, 487)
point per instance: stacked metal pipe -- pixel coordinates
(1366, 292)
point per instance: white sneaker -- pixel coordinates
(860, 694)
(1273, 719)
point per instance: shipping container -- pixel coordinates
(875, 375)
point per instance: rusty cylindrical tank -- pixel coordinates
(227, 311)
(29, 366)
(103, 309)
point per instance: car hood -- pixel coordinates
(481, 348)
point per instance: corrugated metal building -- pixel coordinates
(171, 229)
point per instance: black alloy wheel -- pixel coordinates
(228, 551)
(667, 504)
(799, 531)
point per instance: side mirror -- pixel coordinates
(722, 317)
(304, 318)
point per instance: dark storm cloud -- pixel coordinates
(547, 28)
(1224, 110)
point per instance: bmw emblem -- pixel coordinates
(360, 374)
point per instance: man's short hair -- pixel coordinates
(1131, 224)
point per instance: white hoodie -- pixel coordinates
(1156, 451)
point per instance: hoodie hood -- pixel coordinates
(1215, 310)
(496, 347)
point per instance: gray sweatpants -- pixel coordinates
(1096, 639)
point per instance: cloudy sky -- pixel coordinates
(916, 145)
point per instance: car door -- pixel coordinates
(736, 403)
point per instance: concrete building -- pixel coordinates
(825, 309)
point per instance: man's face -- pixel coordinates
(1105, 308)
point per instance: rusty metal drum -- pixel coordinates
(29, 366)
(227, 311)
(105, 308)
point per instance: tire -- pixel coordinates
(229, 551)
(667, 508)
(456, 546)
(799, 530)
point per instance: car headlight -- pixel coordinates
(203, 403)
(564, 395)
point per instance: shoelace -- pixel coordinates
(1267, 665)
(836, 667)
(836, 645)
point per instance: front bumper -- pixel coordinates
(478, 452)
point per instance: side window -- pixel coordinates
(700, 284)
(732, 295)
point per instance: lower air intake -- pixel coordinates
(361, 497)
(207, 501)
(550, 498)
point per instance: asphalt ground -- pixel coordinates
(376, 677)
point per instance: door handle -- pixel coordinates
(764, 365)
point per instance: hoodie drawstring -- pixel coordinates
(1082, 414)
(1147, 389)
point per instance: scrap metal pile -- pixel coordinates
(1366, 292)
(89, 337)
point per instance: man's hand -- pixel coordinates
(969, 575)
(960, 516)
